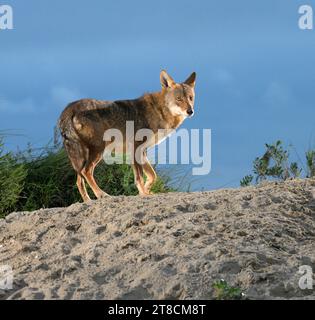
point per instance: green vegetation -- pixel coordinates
(246, 181)
(223, 291)
(275, 164)
(310, 162)
(44, 178)
(12, 177)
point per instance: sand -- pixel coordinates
(166, 246)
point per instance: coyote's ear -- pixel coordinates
(166, 80)
(191, 81)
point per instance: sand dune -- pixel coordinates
(166, 246)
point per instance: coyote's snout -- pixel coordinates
(84, 122)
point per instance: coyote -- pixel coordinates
(84, 122)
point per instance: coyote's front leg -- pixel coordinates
(139, 182)
(150, 174)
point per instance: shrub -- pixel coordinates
(246, 181)
(12, 175)
(44, 178)
(51, 181)
(310, 162)
(275, 164)
(223, 291)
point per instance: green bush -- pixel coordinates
(223, 291)
(310, 162)
(246, 181)
(12, 177)
(275, 164)
(44, 178)
(50, 181)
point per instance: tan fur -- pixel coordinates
(83, 123)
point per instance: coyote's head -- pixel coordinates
(179, 97)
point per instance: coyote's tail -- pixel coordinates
(76, 151)
(66, 126)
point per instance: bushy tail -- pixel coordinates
(76, 151)
(66, 126)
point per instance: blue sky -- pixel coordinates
(255, 69)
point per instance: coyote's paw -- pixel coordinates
(145, 194)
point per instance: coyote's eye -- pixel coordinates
(191, 98)
(179, 99)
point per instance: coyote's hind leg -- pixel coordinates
(77, 155)
(88, 173)
(82, 188)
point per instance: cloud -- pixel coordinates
(222, 76)
(226, 82)
(277, 95)
(23, 106)
(58, 97)
(63, 95)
